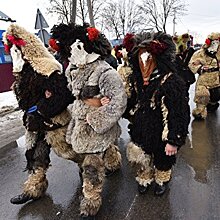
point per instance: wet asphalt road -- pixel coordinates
(194, 191)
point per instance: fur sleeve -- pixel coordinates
(196, 61)
(61, 96)
(106, 116)
(176, 110)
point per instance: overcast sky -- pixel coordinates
(202, 18)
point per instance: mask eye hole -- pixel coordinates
(79, 47)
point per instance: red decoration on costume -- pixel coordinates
(156, 47)
(117, 52)
(208, 41)
(16, 41)
(7, 48)
(128, 42)
(53, 44)
(93, 33)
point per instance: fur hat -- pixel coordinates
(210, 38)
(129, 41)
(160, 45)
(32, 49)
(93, 40)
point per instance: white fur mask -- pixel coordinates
(144, 57)
(79, 56)
(214, 46)
(17, 60)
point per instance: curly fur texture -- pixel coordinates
(102, 128)
(163, 104)
(136, 155)
(66, 34)
(112, 158)
(148, 127)
(162, 176)
(37, 184)
(38, 155)
(93, 180)
(42, 61)
(29, 88)
(145, 177)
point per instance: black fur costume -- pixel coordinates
(42, 94)
(160, 110)
(29, 88)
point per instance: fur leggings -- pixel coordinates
(93, 168)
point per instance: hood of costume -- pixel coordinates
(211, 45)
(152, 53)
(93, 40)
(27, 47)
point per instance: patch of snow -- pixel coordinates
(7, 101)
(21, 142)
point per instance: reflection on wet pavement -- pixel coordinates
(199, 154)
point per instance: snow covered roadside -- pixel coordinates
(8, 102)
(11, 126)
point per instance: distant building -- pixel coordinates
(6, 76)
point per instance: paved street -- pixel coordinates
(194, 191)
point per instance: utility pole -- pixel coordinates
(174, 23)
(91, 18)
(73, 11)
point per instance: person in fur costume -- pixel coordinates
(184, 52)
(42, 94)
(94, 128)
(124, 68)
(205, 62)
(161, 111)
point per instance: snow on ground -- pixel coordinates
(7, 101)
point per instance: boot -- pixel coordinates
(212, 107)
(160, 189)
(20, 199)
(143, 189)
(198, 117)
(87, 217)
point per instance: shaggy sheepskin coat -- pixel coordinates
(93, 129)
(161, 115)
(208, 79)
(40, 87)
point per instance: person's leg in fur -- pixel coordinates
(142, 163)
(93, 180)
(57, 140)
(161, 178)
(163, 164)
(37, 163)
(202, 97)
(112, 159)
(214, 99)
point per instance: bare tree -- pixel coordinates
(122, 16)
(91, 17)
(73, 11)
(65, 9)
(62, 8)
(158, 12)
(111, 18)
